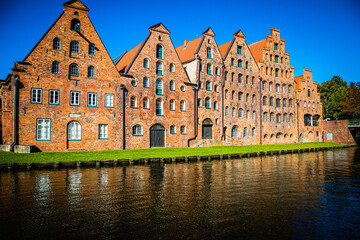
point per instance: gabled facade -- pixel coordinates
(159, 96)
(309, 108)
(203, 63)
(278, 109)
(241, 92)
(65, 89)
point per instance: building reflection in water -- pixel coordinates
(265, 197)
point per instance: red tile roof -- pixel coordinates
(223, 48)
(256, 49)
(189, 52)
(127, 58)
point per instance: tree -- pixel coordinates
(332, 94)
(351, 105)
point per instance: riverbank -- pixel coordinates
(96, 158)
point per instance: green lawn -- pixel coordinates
(9, 157)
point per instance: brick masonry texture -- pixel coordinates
(261, 66)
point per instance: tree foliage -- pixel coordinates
(351, 105)
(333, 93)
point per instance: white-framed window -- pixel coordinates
(146, 82)
(172, 105)
(36, 95)
(182, 106)
(172, 129)
(109, 100)
(172, 85)
(43, 129)
(74, 131)
(103, 131)
(92, 99)
(183, 129)
(54, 97)
(91, 49)
(74, 98)
(137, 130)
(145, 102)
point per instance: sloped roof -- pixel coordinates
(189, 52)
(76, 4)
(223, 48)
(124, 62)
(297, 81)
(256, 49)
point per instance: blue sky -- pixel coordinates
(320, 35)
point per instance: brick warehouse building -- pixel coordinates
(68, 94)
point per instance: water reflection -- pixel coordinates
(309, 195)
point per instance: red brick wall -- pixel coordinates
(340, 132)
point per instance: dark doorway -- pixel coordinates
(157, 136)
(207, 129)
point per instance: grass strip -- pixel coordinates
(40, 157)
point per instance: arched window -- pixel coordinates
(304, 104)
(182, 106)
(159, 51)
(208, 102)
(172, 129)
(74, 47)
(239, 63)
(309, 104)
(74, 131)
(254, 115)
(247, 114)
(308, 92)
(235, 131)
(253, 80)
(247, 97)
(289, 89)
(216, 105)
(271, 117)
(208, 85)
(91, 49)
(264, 101)
(55, 68)
(75, 25)
(172, 105)
(91, 72)
(183, 129)
(247, 65)
(285, 118)
(146, 63)
(209, 68)
(233, 112)
(253, 132)
(278, 136)
(240, 96)
(232, 77)
(278, 118)
(172, 67)
(253, 98)
(232, 95)
(56, 44)
(240, 78)
(278, 104)
(146, 82)
(284, 102)
(159, 87)
(271, 101)
(133, 102)
(265, 136)
(226, 74)
(74, 70)
(159, 68)
(291, 118)
(241, 113)
(277, 88)
(290, 103)
(265, 116)
(145, 102)
(245, 132)
(226, 111)
(270, 86)
(159, 107)
(226, 94)
(284, 88)
(263, 86)
(172, 85)
(137, 130)
(209, 52)
(247, 79)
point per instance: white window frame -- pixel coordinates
(54, 97)
(43, 129)
(92, 99)
(103, 131)
(36, 95)
(109, 100)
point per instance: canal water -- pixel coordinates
(295, 196)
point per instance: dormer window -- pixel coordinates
(75, 25)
